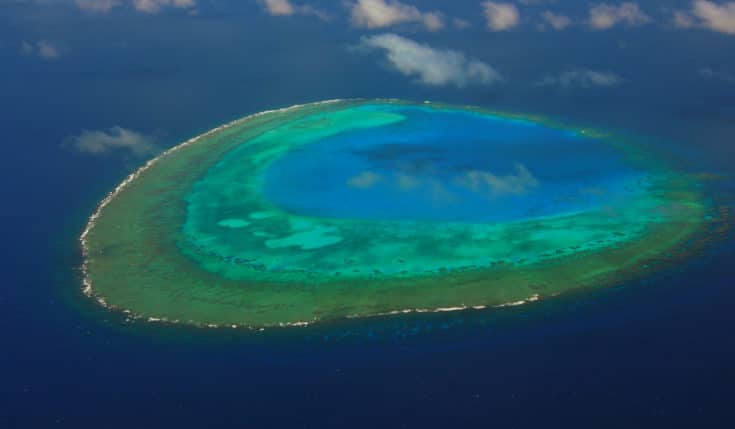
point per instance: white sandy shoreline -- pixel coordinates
(87, 285)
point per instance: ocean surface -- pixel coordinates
(423, 168)
(656, 352)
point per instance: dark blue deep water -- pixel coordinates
(656, 353)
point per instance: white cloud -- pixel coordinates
(145, 6)
(709, 73)
(433, 21)
(604, 16)
(43, 49)
(27, 49)
(47, 50)
(407, 182)
(435, 67)
(557, 22)
(461, 23)
(386, 13)
(484, 183)
(364, 180)
(500, 16)
(154, 6)
(716, 17)
(278, 7)
(536, 2)
(97, 6)
(683, 19)
(492, 185)
(581, 78)
(116, 138)
(287, 8)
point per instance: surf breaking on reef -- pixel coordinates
(88, 287)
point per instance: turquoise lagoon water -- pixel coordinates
(450, 166)
(396, 188)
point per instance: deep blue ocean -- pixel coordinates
(656, 352)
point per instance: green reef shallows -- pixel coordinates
(352, 208)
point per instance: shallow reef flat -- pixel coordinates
(360, 208)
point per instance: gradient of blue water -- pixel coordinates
(657, 353)
(436, 151)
